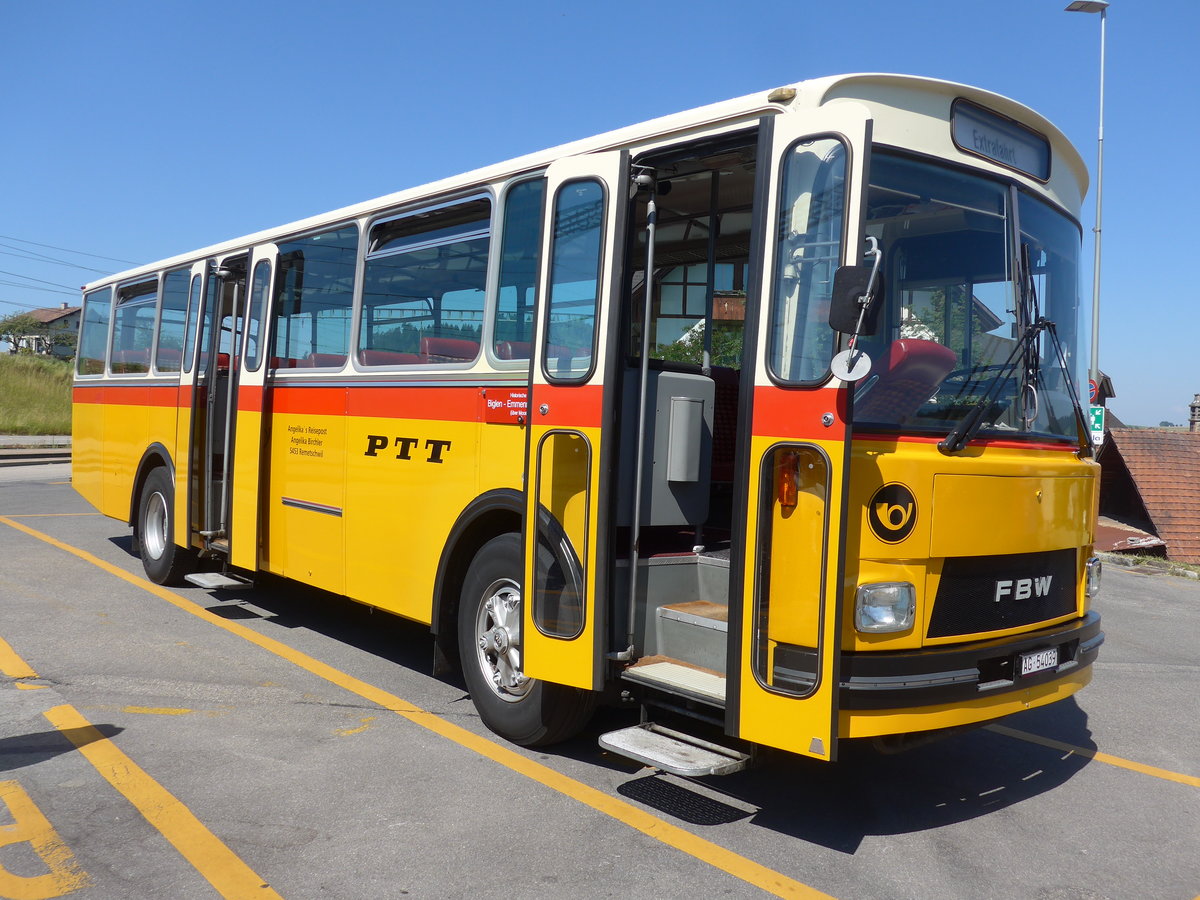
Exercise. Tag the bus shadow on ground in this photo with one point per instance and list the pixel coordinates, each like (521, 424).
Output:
(837, 805)
(23, 750)
(868, 793)
(289, 604)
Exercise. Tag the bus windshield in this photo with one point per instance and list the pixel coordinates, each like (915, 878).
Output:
(963, 286)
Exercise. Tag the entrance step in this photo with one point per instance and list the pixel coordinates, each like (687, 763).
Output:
(673, 751)
(677, 677)
(693, 632)
(217, 581)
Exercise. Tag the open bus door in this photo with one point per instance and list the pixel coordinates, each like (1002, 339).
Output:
(250, 418)
(184, 420)
(214, 392)
(568, 453)
(786, 634)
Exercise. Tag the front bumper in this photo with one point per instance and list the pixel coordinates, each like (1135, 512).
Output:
(916, 678)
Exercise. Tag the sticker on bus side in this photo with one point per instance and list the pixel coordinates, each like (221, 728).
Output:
(506, 406)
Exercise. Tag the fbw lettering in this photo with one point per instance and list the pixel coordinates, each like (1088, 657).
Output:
(1023, 588)
(432, 449)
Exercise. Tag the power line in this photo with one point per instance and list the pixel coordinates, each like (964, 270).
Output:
(21, 253)
(34, 287)
(38, 280)
(127, 262)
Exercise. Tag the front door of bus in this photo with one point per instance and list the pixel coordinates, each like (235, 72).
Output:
(568, 450)
(214, 401)
(246, 513)
(787, 632)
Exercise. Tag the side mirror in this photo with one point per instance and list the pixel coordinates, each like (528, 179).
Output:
(850, 283)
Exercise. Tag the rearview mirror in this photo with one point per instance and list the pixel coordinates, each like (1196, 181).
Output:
(850, 284)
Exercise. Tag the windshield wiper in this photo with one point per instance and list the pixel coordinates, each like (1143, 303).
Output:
(964, 432)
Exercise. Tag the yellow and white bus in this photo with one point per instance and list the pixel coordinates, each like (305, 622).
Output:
(762, 415)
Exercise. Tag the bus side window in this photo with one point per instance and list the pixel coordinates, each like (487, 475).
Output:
(808, 250)
(574, 289)
(424, 286)
(314, 293)
(93, 335)
(254, 313)
(133, 328)
(168, 354)
(520, 253)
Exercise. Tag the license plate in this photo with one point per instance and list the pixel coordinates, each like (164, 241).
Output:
(1039, 661)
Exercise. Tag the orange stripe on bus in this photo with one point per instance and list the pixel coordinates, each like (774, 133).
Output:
(575, 406)
(149, 394)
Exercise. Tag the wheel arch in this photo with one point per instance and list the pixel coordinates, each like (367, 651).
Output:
(156, 455)
(497, 512)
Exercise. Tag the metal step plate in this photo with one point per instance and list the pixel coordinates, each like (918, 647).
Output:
(215, 581)
(673, 751)
(678, 679)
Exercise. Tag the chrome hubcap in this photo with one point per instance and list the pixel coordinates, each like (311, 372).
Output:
(154, 529)
(498, 626)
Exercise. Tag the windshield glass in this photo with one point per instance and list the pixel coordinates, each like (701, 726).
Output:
(960, 293)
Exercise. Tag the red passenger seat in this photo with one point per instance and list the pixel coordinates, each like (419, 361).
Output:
(324, 361)
(440, 349)
(513, 349)
(908, 377)
(373, 357)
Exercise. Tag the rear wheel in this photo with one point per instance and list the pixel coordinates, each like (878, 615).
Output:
(524, 710)
(164, 562)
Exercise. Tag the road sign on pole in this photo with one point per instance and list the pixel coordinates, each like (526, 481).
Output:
(1097, 425)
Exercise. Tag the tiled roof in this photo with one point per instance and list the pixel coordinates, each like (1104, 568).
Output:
(1165, 468)
(52, 314)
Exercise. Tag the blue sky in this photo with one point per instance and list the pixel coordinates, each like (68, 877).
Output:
(139, 130)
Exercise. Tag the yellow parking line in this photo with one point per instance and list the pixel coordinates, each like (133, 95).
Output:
(672, 835)
(1154, 771)
(52, 515)
(219, 865)
(31, 827)
(12, 665)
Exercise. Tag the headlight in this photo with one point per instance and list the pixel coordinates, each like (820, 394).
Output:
(1092, 582)
(889, 606)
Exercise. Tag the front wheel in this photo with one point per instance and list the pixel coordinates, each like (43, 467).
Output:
(523, 710)
(164, 562)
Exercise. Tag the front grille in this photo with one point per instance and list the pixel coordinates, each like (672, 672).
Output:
(978, 594)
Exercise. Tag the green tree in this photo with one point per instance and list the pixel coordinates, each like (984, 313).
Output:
(47, 335)
(16, 326)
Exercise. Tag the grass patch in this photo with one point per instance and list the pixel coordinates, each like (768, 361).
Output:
(35, 395)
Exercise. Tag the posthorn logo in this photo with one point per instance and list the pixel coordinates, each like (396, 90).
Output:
(892, 513)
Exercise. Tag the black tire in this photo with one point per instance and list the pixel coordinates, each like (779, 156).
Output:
(526, 711)
(164, 562)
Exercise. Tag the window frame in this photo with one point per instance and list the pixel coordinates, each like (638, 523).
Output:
(88, 305)
(274, 304)
(367, 255)
(186, 271)
(772, 233)
(500, 231)
(545, 290)
(137, 300)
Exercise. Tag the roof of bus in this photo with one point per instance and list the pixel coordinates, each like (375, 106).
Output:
(871, 88)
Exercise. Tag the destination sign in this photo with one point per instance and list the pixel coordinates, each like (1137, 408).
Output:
(1001, 140)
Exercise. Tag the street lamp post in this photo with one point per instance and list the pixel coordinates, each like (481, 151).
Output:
(1096, 6)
